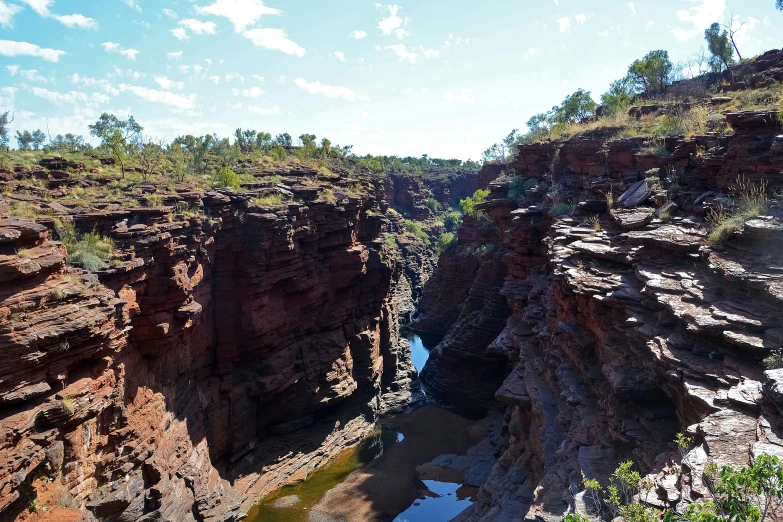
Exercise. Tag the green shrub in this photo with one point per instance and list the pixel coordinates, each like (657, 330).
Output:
(469, 204)
(452, 221)
(414, 227)
(561, 209)
(447, 241)
(90, 252)
(434, 205)
(390, 240)
(227, 178)
(519, 186)
(573, 517)
(24, 209)
(327, 195)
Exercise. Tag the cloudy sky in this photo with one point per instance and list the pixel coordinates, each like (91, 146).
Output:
(439, 77)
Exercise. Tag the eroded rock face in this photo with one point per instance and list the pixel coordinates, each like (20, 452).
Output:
(624, 329)
(218, 358)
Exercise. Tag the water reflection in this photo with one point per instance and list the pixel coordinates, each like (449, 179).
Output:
(421, 345)
(446, 501)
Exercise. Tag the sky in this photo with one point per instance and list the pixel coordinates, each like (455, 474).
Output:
(445, 78)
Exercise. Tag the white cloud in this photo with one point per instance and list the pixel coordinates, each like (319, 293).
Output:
(339, 55)
(155, 96)
(174, 56)
(327, 90)
(393, 24)
(557, 3)
(106, 85)
(632, 8)
(564, 23)
(171, 14)
(530, 52)
(167, 84)
(275, 39)
(258, 78)
(7, 12)
(581, 18)
(264, 111)
(197, 26)
(699, 16)
(68, 98)
(72, 20)
(403, 53)
(215, 79)
(358, 34)
(230, 77)
(649, 25)
(253, 92)
(112, 47)
(430, 54)
(241, 13)
(31, 75)
(463, 96)
(180, 33)
(12, 48)
(132, 4)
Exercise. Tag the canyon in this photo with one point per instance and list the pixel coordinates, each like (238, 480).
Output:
(233, 347)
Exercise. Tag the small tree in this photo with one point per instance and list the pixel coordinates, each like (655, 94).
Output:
(619, 97)
(5, 121)
(38, 139)
(284, 140)
(24, 139)
(117, 136)
(779, 4)
(151, 156)
(719, 46)
(651, 73)
(308, 141)
(575, 108)
(180, 160)
(326, 146)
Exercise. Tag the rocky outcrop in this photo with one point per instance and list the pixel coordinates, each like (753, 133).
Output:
(228, 349)
(626, 326)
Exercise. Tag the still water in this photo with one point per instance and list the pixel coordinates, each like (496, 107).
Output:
(421, 345)
(294, 503)
(446, 502)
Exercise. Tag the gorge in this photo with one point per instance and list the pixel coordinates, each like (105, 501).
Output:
(239, 340)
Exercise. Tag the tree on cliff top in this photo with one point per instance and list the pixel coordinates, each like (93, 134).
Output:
(651, 73)
(116, 136)
(575, 108)
(779, 4)
(720, 47)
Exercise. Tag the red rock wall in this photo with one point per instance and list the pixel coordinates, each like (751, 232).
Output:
(220, 358)
(621, 337)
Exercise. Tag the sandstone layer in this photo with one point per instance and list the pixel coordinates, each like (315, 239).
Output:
(623, 325)
(229, 349)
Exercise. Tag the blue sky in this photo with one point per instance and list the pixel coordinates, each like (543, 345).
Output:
(440, 77)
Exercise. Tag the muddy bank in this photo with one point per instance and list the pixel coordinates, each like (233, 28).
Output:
(382, 488)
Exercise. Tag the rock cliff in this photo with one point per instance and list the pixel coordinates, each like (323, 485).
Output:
(229, 348)
(623, 324)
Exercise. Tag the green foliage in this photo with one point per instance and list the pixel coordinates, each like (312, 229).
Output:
(618, 98)
(5, 120)
(90, 252)
(500, 152)
(519, 186)
(117, 136)
(452, 221)
(574, 517)
(561, 209)
(227, 178)
(651, 74)
(779, 4)
(774, 361)
(575, 108)
(328, 195)
(414, 227)
(390, 240)
(284, 140)
(469, 204)
(719, 46)
(447, 241)
(434, 205)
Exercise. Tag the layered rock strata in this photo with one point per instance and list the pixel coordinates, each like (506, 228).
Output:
(228, 349)
(626, 324)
